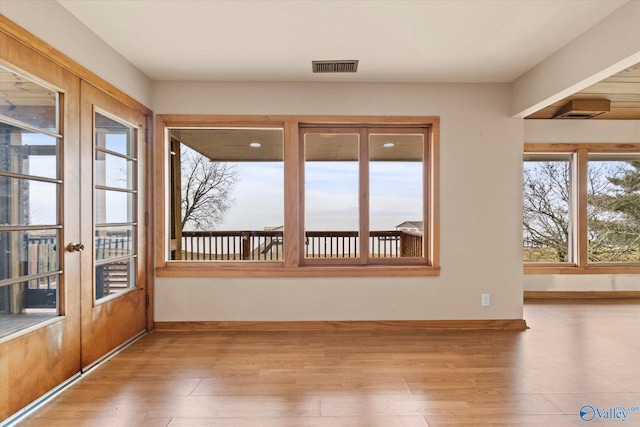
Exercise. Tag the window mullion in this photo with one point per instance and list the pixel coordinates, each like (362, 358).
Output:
(364, 196)
(293, 234)
(581, 194)
(427, 189)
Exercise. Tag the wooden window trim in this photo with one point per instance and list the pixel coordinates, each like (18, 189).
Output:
(581, 263)
(293, 265)
(364, 133)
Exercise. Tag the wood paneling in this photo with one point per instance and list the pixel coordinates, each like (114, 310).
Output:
(231, 145)
(622, 89)
(576, 353)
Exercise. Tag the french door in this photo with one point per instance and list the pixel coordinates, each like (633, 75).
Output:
(39, 199)
(112, 225)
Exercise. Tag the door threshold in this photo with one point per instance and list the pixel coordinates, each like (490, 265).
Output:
(113, 352)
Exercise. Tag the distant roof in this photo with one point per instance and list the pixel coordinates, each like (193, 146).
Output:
(413, 224)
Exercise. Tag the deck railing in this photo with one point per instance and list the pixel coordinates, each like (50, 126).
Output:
(112, 244)
(331, 244)
(267, 245)
(42, 257)
(232, 245)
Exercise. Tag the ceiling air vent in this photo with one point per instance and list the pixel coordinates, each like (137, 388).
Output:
(583, 109)
(350, 66)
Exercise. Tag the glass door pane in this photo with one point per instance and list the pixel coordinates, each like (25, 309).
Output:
(115, 201)
(30, 203)
(28, 102)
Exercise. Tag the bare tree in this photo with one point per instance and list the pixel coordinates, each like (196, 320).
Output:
(613, 216)
(206, 190)
(547, 195)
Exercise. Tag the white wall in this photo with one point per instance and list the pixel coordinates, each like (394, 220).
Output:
(574, 131)
(52, 23)
(480, 192)
(481, 151)
(481, 170)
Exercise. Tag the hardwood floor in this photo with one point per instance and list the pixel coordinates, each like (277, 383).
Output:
(575, 354)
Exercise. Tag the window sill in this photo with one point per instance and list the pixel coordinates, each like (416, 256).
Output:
(202, 269)
(574, 269)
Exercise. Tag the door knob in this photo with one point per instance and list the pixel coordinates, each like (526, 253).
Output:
(75, 247)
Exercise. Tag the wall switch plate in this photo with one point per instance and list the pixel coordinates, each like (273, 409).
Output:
(486, 300)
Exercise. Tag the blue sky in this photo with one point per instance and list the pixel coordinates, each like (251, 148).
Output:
(331, 196)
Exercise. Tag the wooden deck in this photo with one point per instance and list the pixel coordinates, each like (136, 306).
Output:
(575, 354)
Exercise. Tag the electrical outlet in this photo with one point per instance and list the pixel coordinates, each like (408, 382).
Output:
(486, 300)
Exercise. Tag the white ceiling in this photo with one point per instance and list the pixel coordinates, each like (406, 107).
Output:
(395, 41)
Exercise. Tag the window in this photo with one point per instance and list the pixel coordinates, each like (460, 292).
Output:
(548, 220)
(364, 182)
(293, 196)
(581, 208)
(228, 194)
(30, 202)
(613, 208)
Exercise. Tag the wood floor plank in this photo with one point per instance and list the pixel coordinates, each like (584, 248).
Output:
(100, 422)
(368, 421)
(500, 420)
(576, 353)
(363, 405)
